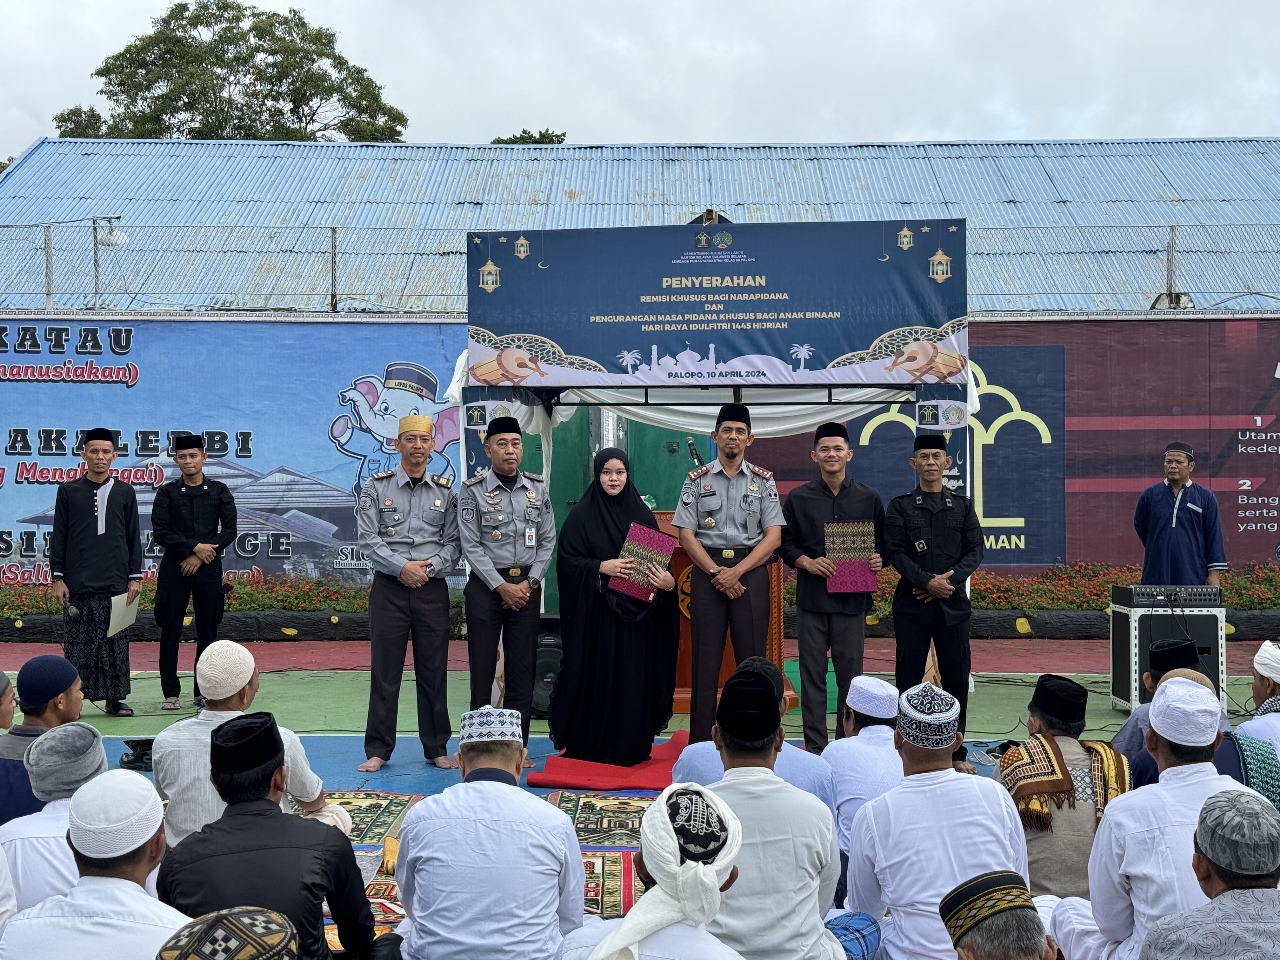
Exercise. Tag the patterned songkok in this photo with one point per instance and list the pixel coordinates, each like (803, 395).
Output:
(1241, 832)
(982, 897)
(489, 724)
(700, 833)
(241, 933)
(928, 717)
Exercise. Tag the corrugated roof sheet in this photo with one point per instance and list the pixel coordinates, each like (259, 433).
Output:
(1056, 225)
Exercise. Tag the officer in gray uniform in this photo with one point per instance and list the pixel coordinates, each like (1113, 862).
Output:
(508, 537)
(408, 526)
(730, 524)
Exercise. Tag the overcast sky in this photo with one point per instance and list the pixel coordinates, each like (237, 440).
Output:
(698, 71)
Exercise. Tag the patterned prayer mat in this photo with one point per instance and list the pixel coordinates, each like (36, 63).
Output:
(375, 817)
(375, 814)
(603, 819)
(612, 885)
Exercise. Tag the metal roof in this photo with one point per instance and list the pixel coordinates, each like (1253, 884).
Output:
(1053, 226)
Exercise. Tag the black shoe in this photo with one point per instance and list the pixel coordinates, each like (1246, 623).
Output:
(139, 755)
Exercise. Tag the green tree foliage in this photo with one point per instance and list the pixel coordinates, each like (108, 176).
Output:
(223, 70)
(527, 136)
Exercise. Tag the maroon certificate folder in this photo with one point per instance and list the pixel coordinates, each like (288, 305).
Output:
(644, 545)
(849, 547)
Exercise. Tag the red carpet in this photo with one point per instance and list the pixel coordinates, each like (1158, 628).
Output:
(653, 774)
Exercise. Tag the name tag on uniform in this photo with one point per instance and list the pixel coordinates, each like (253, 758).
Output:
(530, 537)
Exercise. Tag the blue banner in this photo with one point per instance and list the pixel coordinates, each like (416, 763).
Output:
(295, 415)
(726, 304)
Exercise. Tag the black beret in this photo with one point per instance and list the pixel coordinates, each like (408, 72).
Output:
(748, 708)
(1060, 698)
(99, 433)
(830, 430)
(930, 441)
(245, 743)
(734, 413)
(500, 425)
(189, 441)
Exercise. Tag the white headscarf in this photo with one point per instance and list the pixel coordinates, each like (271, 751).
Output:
(1267, 660)
(683, 891)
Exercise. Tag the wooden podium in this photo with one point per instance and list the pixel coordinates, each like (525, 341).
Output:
(681, 568)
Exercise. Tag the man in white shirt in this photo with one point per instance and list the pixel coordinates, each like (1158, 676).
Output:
(115, 831)
(228, 680)
(1140, 867)
(486, 870)
(912, 844)
(1265, 724)
(700, 762)
(864, 761)
(8, 900)
(59, 762)
(789, 861)
(688, 841)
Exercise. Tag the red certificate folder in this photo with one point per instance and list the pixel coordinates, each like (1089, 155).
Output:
(849, 547)
(644, 545)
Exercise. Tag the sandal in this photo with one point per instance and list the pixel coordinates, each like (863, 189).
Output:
(171, 703)
(118, 708)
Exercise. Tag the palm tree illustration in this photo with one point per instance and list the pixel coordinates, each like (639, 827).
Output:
(801, 352)
(629, 358)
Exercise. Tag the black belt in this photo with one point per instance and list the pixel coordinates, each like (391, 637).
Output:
(391, 579)
(511, 573)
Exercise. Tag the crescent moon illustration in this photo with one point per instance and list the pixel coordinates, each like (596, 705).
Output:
(543, 266)
(883, 259)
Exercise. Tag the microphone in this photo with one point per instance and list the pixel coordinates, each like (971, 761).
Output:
(693, 451)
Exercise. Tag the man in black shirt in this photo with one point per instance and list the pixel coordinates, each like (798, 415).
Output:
(194, 519)
(257, 854)
(826, 620)
(933, 538)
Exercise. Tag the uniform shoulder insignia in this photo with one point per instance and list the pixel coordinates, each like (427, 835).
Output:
(472, 481)
(382, 475)
(442, 481)
(696, 472)
(537, 477)
(761, 472)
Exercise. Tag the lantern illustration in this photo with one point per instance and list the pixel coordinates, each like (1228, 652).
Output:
(939, 266)
(905, 238)
(522, 247)
(489, 277)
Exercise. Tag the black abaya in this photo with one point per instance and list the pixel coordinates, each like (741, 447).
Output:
(618, 673)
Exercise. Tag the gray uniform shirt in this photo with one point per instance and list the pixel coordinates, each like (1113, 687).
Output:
(398, 522)
(725, 511)
(497, 526)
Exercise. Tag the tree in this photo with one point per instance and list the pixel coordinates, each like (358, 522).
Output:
(629, 359)
(801, 352)
(527, 136)
(223, 70)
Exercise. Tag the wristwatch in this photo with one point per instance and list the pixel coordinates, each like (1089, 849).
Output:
(714, 571)
(534, 583)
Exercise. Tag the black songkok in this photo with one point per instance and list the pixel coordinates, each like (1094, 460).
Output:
(930, 441)
(983, 897)
(1060, 698)
(830, 430)
(1177, 446)
(500, 425)
(99, 433)
(700, 833)
(245, 743)
(734, 413)
(748, 709)
(190, 441)
(1166, 655)
(767, 669)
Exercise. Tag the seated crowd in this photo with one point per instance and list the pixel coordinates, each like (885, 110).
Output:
(880, 847)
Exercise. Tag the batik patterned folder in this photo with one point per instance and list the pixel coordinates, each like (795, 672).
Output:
(644, 545)
(849, 547)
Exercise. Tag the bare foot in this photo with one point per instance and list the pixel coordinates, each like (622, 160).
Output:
(528, 764)
(444, 763)
(372, 765)
(964, 766)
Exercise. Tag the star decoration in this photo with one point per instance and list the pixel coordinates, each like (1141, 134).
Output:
(475, 239)
(502, 239)
(952, 229)
(924, 229)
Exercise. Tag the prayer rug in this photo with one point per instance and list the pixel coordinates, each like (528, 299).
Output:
(375, 814)
(652, 774)
(376, 817)
(602, 819)
(612, 885)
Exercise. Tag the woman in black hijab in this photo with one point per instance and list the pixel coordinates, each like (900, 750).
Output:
(618, 674)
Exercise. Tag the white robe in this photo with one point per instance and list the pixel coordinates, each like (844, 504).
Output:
(912, 845)
(680, 941)
(1140, 867)
(864, 767)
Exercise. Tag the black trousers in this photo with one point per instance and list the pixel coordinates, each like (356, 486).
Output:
(397, 615)
(207, 598)
(844, 635)
(711, 613)
(487, 623)
(913, 628)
